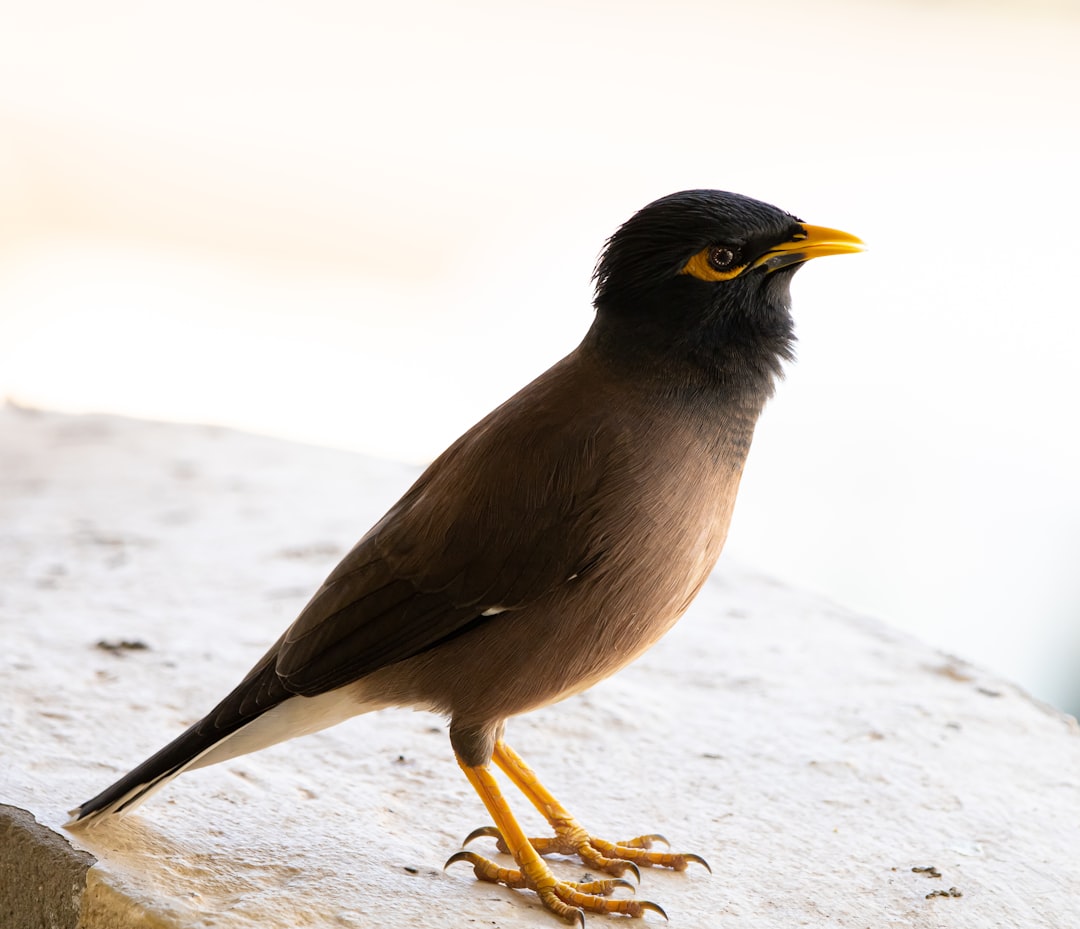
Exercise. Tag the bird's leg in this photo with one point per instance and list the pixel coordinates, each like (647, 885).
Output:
(566, 899)
(571, 838)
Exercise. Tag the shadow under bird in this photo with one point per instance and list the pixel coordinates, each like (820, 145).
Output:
(554, 542)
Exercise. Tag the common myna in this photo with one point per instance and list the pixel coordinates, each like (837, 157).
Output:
(555, 541)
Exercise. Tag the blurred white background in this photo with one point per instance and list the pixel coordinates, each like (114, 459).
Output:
(364, 225)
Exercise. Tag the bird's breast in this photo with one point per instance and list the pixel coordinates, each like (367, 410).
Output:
(672, 535)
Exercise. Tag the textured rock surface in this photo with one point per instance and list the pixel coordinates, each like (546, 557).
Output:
(42, 878)
(812, 756)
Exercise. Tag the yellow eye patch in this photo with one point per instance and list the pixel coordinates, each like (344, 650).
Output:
(701, 267)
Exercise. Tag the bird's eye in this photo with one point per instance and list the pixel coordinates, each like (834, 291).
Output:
(721, 257)
(715, 263)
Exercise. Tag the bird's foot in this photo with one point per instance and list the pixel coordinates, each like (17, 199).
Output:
(566, 899)
(571, 838)
(615, 858)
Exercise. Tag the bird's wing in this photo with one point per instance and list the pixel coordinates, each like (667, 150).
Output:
(468, 541)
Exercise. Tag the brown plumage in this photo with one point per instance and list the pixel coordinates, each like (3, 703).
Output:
(595, 551)
(557, 539)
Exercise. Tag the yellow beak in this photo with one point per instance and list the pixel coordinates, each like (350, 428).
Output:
(814, 242)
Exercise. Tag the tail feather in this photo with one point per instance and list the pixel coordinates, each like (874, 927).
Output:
(259, 692)
(235, 727)
(150, 776)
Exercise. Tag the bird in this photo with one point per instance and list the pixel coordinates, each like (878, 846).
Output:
(550, 545)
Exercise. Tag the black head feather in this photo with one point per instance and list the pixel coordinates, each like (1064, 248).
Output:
(734, 333)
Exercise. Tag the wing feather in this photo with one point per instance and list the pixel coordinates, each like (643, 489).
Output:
(466, 539)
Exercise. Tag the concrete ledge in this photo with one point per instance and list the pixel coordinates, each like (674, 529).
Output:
(42, 877)
(812, 756)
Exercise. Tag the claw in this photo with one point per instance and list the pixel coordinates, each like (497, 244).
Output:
(655, 907)
(459, 856)
(697, 859)
(489, 832)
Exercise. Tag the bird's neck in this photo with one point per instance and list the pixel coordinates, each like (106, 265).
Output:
(722, 364)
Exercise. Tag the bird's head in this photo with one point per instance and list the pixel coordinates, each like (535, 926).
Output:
(699, 280)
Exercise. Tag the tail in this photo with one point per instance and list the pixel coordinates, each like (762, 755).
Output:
(213, 738)
(260, 712)
(149, 777)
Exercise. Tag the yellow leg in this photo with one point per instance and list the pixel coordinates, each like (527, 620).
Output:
(566, 899)
(572, 839)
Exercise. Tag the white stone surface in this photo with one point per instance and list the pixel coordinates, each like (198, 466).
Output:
(812, 756)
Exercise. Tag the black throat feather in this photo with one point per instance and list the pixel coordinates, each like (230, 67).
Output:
(692, 339)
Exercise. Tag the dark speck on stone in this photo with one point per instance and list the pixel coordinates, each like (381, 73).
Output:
(122, 645)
